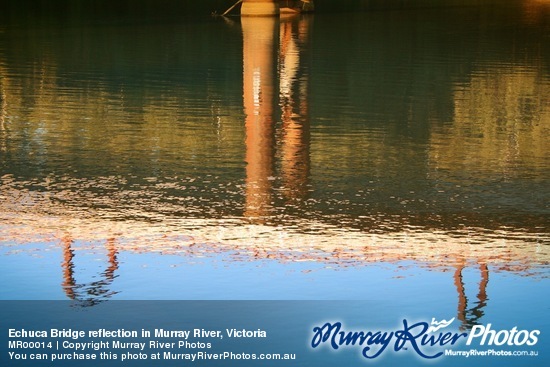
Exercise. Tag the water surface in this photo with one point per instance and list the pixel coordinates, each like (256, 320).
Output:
(390, 154)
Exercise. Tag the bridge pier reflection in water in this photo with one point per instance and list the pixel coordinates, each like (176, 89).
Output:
(271, 66)
(293, 94)
(259, 70)
(470, 317)
(88, 293)
(3, 104)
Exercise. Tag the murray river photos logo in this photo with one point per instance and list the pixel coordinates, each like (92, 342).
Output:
(427, 340)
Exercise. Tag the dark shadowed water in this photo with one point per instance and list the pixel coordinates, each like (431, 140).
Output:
(395, 154)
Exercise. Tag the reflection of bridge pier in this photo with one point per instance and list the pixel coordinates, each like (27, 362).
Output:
(3, 104)
(88, 294)
(259, 71)
(293, 94)
(261, 46)
(470, 317)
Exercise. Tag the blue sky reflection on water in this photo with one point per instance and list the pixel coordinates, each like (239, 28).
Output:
(166, 277)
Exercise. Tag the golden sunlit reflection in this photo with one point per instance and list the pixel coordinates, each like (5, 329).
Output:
(536, 11)
(3, 129)
(501, 122)
(260, 80)
(259, 92)
(295, 144)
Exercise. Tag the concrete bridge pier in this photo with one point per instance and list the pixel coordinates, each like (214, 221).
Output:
(260, 8)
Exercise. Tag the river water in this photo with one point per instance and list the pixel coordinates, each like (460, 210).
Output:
(395, 155)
